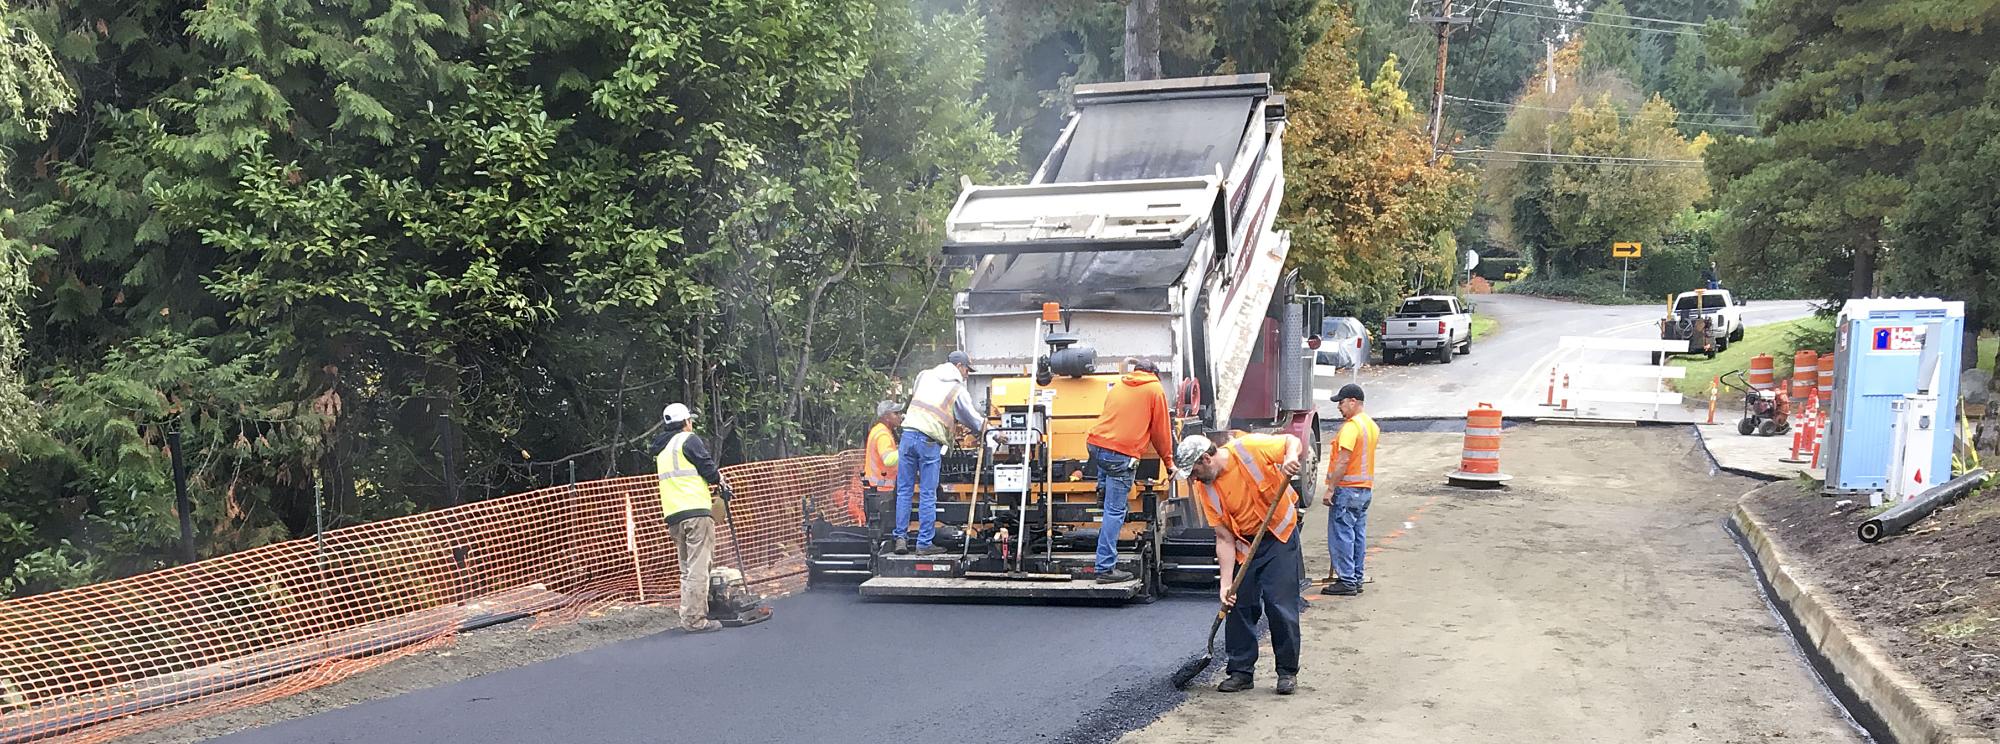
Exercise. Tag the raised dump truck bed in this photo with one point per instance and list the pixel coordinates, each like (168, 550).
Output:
(1150, 226)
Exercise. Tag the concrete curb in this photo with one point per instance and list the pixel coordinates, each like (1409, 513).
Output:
(1893, 706)
(1716, 464)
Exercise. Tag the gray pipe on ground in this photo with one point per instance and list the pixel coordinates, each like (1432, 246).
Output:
(1901, 516)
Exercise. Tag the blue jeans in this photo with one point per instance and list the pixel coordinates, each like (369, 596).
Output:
(918, 470)
(1347, 531)
(1114, 482)
(1270, 592)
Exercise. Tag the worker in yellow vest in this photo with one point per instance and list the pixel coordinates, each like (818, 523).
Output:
(1238, 486)
(1353, 476)
(879, 462)
(940, 400)
(687, 470)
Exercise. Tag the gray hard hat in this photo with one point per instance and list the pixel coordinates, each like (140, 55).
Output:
(887, 407)
(1192, 448)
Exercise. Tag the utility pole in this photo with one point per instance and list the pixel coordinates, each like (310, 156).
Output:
(1446, 21)
(1549, 47)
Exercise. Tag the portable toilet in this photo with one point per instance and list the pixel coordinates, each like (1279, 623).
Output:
(1878, 345)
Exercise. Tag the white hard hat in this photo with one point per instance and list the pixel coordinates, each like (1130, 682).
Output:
(676, 413)
(1192, 448)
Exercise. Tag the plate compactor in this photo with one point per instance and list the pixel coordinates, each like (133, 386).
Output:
(730, 600)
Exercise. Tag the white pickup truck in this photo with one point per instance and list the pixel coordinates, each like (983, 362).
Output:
(1436, 325)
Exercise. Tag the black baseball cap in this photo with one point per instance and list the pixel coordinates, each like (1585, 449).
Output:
(959, 357)
(1347, 391)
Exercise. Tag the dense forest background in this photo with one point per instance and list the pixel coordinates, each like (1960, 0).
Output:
(381, 256)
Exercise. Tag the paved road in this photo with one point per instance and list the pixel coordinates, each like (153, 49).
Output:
(1510, 368)
(832, 668)
(828, 668)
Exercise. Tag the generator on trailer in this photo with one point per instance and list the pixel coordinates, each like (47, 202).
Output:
(1145, 234)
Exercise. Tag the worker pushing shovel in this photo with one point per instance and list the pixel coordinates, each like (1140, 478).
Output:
(1244, 488)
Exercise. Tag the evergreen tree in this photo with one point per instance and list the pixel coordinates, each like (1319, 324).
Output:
(1942, 239)
(1611, 47)
(1854, 92)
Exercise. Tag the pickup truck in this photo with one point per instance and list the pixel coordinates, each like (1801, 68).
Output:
(1710, 319)
(1435, 325)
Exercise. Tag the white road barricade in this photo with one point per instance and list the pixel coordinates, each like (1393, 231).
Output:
(1591, 382)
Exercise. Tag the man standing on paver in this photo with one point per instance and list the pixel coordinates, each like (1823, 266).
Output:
(1134, 419)
(1237, 485)
(1353, 489)
(940, 400)
(686, 471)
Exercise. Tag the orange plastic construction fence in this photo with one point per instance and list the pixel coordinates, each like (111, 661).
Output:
(81, 665)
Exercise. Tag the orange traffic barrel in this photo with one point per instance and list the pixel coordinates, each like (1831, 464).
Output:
(1826, 376)
(1805, 368)
(1761, 368)
(1479, 464)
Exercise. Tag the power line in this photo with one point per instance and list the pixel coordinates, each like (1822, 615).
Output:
(1580, 156)
(1534, 161)
(1595, 13)
(1597, 23)
(1680, 113)
(1678, 117)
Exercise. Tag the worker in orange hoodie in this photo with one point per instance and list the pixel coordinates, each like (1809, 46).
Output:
(1134, 420)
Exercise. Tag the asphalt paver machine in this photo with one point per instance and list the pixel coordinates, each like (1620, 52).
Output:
(1146, 234)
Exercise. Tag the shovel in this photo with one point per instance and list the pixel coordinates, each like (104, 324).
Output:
(1189, 671)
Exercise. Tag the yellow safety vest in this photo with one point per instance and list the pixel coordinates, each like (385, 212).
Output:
(681, 486)
(931, 405)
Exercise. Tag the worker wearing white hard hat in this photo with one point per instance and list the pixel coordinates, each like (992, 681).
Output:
(687, 470)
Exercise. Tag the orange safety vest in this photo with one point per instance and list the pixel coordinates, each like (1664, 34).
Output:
(879, 468)
(1241, 495)
(1360, 471)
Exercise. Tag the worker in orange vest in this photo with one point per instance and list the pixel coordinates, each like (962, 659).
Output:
(1353, 476)
(1236, 485)
(1133, 421)
(878, 468)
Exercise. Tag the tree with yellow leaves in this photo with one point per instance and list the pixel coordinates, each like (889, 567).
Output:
(1371, 211)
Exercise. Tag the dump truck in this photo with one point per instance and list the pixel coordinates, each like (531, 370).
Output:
(1145, 234)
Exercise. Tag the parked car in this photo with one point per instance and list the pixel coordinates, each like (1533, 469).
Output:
(1343, 343)
(1435, 325)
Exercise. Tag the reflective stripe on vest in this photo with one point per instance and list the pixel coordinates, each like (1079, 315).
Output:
(875, 465)
(937, 409)
(682, 488)
(1360, 460)
(1242, 545)
(1243, 456)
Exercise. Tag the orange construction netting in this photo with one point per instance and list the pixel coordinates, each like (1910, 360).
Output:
(82, 665)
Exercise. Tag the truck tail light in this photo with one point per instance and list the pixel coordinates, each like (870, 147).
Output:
(1440, 327)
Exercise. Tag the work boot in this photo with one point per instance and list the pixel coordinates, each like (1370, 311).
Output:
(902, 546)
(1114, 576)
(1287, 684)
(1341, 589)
(1237, 682)
(706, 626)
(930, 550)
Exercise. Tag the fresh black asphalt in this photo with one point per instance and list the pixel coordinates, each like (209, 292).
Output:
(828, 668)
